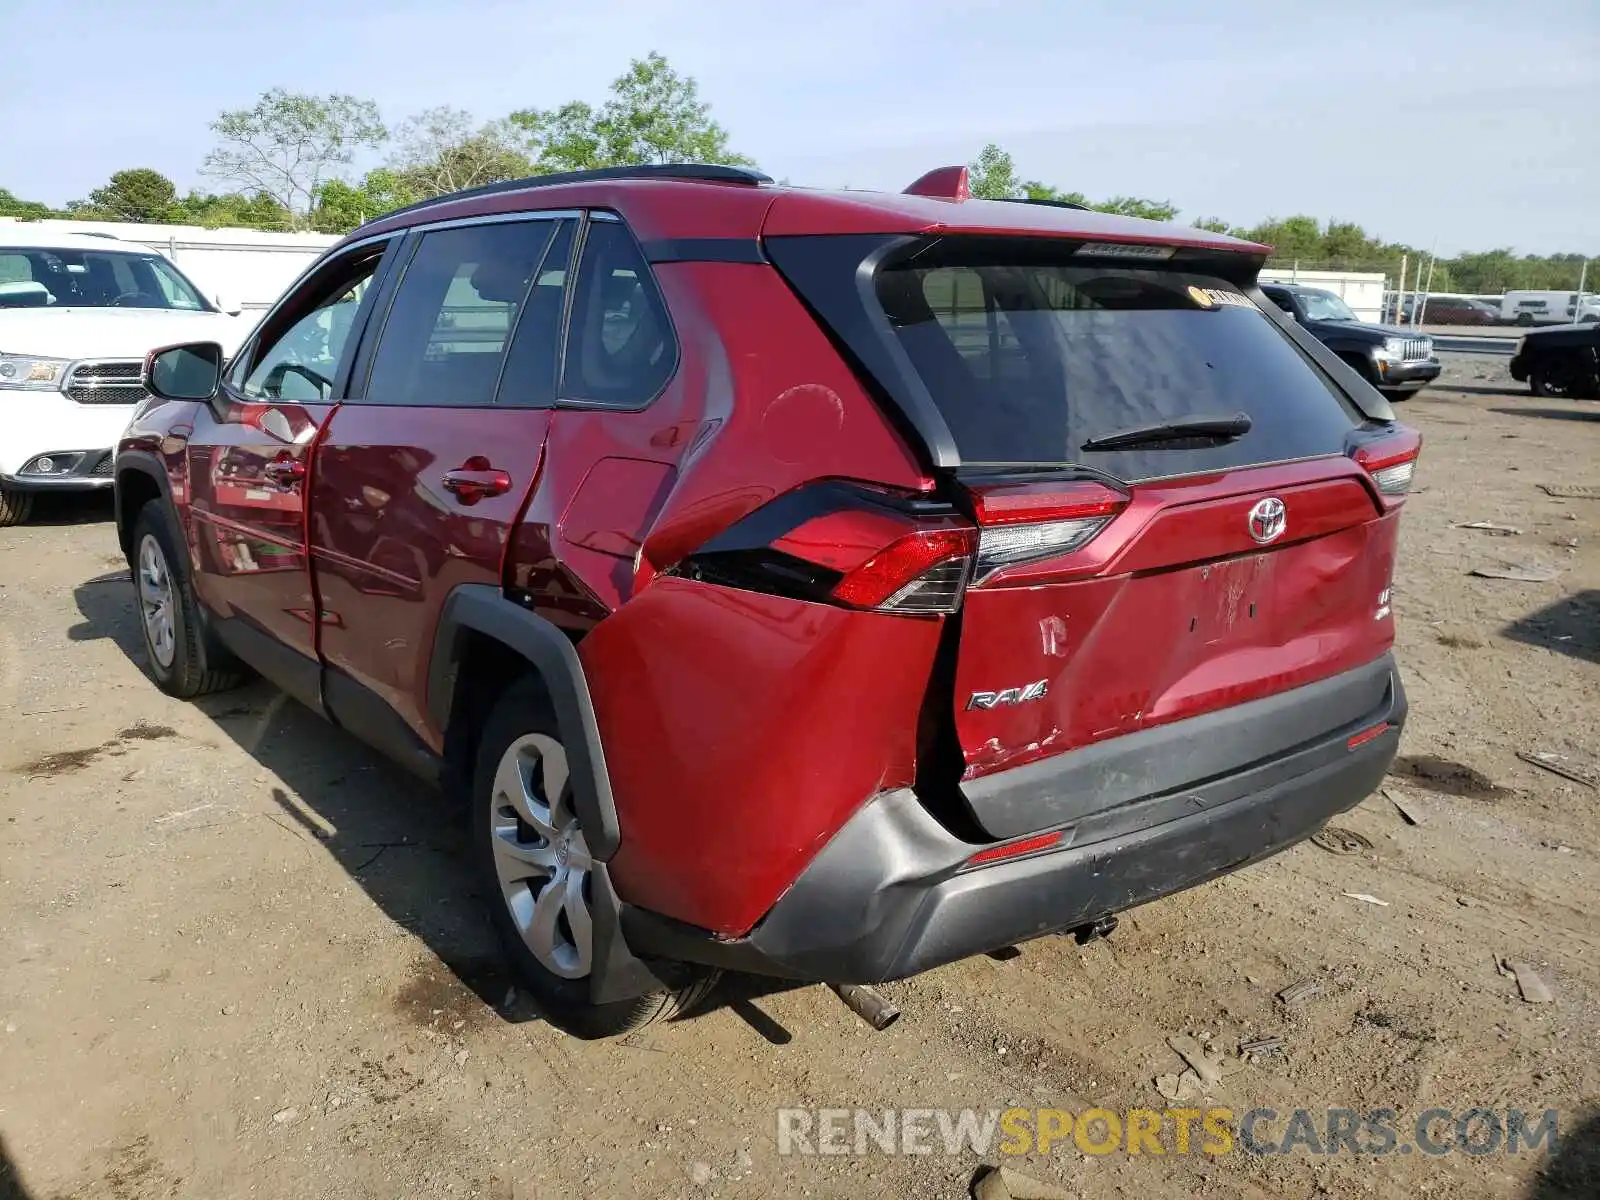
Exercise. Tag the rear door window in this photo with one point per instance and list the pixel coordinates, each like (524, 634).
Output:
(1029, 361)
(444, 341)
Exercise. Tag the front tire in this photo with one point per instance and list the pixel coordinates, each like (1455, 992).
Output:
(15, 507)
(183, 660)
(535, 866)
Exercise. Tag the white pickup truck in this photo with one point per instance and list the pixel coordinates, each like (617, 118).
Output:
(78, 314)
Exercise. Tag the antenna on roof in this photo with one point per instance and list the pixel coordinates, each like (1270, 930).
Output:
(943, 183)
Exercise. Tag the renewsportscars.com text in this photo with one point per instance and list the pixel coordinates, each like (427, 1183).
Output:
(1147, 1131)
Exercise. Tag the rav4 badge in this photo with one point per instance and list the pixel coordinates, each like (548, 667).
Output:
(1015, 695)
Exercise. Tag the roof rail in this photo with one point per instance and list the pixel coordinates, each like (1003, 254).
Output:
(706, 172)
(1048, 203)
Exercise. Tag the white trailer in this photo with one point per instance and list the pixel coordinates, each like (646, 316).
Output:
(1549, 308)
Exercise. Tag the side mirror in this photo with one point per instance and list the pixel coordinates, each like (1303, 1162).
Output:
(189, 372)
(227, 304)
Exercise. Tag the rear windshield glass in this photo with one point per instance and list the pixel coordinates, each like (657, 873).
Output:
(1028, 362)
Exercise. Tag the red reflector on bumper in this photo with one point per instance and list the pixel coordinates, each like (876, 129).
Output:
(1366, 735)
(1041, 841)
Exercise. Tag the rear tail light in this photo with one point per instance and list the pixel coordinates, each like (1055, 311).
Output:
(1391, 461)
(1020, 523)
(847, 545)
(924, 572)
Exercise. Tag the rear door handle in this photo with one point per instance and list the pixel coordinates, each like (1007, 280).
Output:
(285, 472)
(475, 480)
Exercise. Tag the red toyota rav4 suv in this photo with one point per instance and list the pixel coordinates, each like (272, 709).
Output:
(822, 585)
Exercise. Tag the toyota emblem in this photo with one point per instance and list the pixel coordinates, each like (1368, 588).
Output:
(1267, 520)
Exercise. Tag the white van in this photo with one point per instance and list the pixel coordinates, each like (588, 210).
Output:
(1549, 308)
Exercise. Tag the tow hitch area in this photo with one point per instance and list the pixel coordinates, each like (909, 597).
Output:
(1094, 930)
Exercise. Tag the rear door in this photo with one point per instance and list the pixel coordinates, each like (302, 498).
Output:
(1130, 575)
(422, 473)
(247, 472)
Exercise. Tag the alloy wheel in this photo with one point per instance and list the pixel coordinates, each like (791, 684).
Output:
(540, 856)
(156, 601)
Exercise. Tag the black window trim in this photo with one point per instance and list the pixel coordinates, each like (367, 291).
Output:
(578, 403)
(561, 321)
(245, 360)
(410, 240)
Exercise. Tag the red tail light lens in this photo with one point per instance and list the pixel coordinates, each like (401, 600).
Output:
(925, 571)
(1022, 523)
(845, 544)
(1391, 461)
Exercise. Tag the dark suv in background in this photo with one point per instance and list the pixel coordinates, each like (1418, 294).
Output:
(823, 585)
(1395, 360)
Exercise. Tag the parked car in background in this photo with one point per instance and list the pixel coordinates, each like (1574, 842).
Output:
(1549, 308)
(78, 313)
(1458, 310)
(1395, 360)
(1563, 361)
(656, 562)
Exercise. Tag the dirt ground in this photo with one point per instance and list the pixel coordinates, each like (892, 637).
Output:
(242, 956)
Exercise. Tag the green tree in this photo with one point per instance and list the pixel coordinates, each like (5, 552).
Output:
(1290, 238)
(139, 194)
(993, 175)
(1135, 206)
(290, 144)
(26, 210)
(445, 150)
(654, 115)
(233, 210)
(342, 206)
(1214, 225)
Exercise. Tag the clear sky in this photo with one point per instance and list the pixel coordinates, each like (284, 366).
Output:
(1470, 123)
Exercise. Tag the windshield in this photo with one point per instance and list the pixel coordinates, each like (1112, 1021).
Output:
(1325, 306)
(41, 277)
(1033, 362)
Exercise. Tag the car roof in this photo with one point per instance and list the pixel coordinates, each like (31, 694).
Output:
(732, 203)
(26, 234)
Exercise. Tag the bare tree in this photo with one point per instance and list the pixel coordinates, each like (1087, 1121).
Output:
(444, 150)
(290, 144)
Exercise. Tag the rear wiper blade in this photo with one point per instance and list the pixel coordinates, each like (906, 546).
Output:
(1219, 428)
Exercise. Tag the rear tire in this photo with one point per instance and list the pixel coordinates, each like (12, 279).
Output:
(183, 659)
(15, 507)
(1550, 389)
(534, 866)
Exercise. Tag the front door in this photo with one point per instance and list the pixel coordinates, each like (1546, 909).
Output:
(248, 470)
(421, 474)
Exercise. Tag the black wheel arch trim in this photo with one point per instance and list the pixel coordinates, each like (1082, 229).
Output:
(140, 462)
(484, 609)
(618, 974)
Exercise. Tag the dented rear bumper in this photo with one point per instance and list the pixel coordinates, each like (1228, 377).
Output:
(893, 893)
